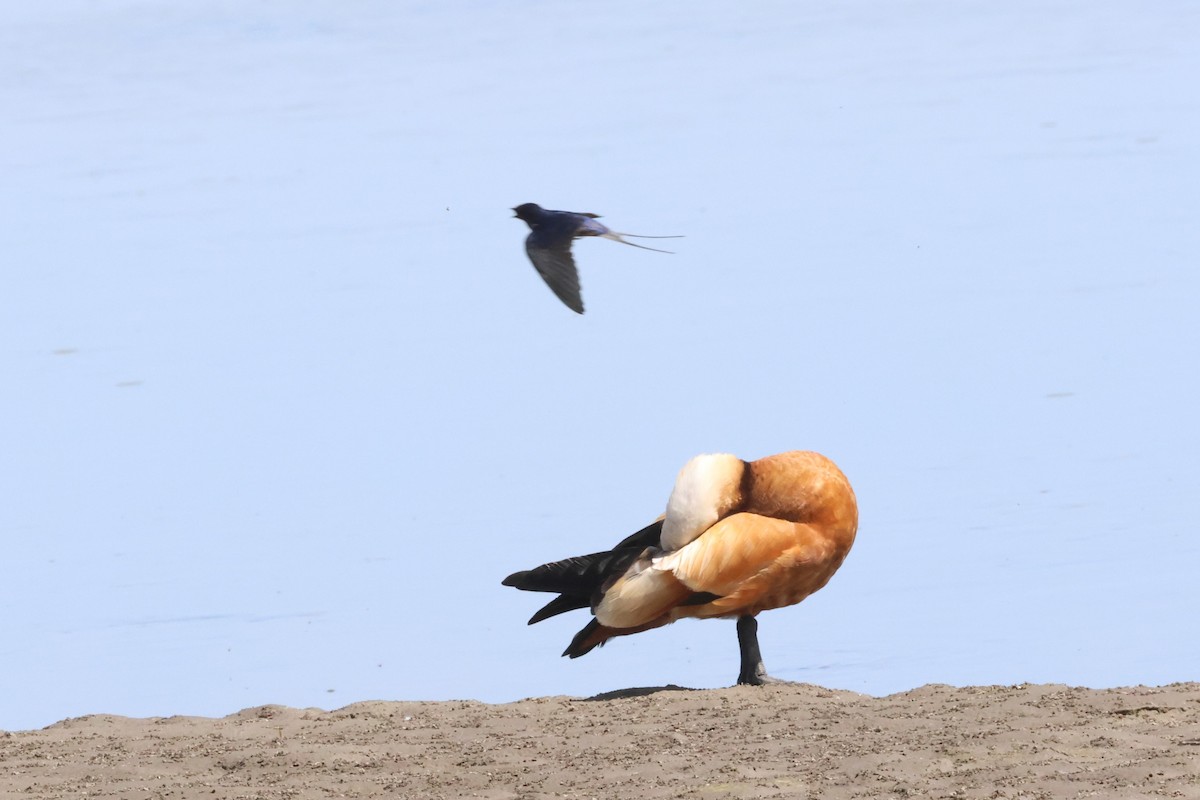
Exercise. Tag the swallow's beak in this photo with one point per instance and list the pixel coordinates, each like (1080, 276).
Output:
(514, 211)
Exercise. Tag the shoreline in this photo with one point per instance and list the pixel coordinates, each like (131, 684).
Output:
(740, 742)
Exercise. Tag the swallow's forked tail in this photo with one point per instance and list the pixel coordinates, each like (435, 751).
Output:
(620, 237)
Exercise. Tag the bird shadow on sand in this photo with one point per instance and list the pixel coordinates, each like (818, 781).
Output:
(637, 691)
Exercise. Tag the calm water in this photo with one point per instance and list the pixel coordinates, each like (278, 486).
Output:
(284, 399)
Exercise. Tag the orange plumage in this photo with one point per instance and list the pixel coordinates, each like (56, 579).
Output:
(738, 538)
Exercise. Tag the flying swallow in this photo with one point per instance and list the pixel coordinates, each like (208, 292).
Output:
(549, 246)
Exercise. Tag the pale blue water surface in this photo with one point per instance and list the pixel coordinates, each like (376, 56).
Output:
(284, 400)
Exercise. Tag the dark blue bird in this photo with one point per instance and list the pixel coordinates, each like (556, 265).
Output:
(549, 247)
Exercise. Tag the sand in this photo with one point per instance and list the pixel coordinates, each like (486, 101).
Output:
(1030, 741)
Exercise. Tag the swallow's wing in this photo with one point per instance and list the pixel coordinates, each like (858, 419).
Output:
(556, 265)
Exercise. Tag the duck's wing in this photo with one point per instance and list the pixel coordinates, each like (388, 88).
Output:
(750, 563)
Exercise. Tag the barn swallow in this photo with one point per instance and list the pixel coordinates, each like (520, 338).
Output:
(549, 246)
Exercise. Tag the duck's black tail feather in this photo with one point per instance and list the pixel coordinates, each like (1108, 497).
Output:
(649, 536)
(586, 640)
(559, 605)
(580, 581)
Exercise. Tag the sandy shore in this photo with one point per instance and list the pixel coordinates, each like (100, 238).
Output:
(788, 741)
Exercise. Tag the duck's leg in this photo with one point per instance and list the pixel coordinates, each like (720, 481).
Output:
(753, 672)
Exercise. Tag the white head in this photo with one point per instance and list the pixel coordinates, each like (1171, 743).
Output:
(706, 490)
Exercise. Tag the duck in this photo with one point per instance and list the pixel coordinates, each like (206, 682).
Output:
(737, 538)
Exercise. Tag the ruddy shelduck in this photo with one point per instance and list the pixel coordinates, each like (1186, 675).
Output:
(737, 538)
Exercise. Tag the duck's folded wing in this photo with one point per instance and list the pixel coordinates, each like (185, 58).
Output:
(749, 561)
